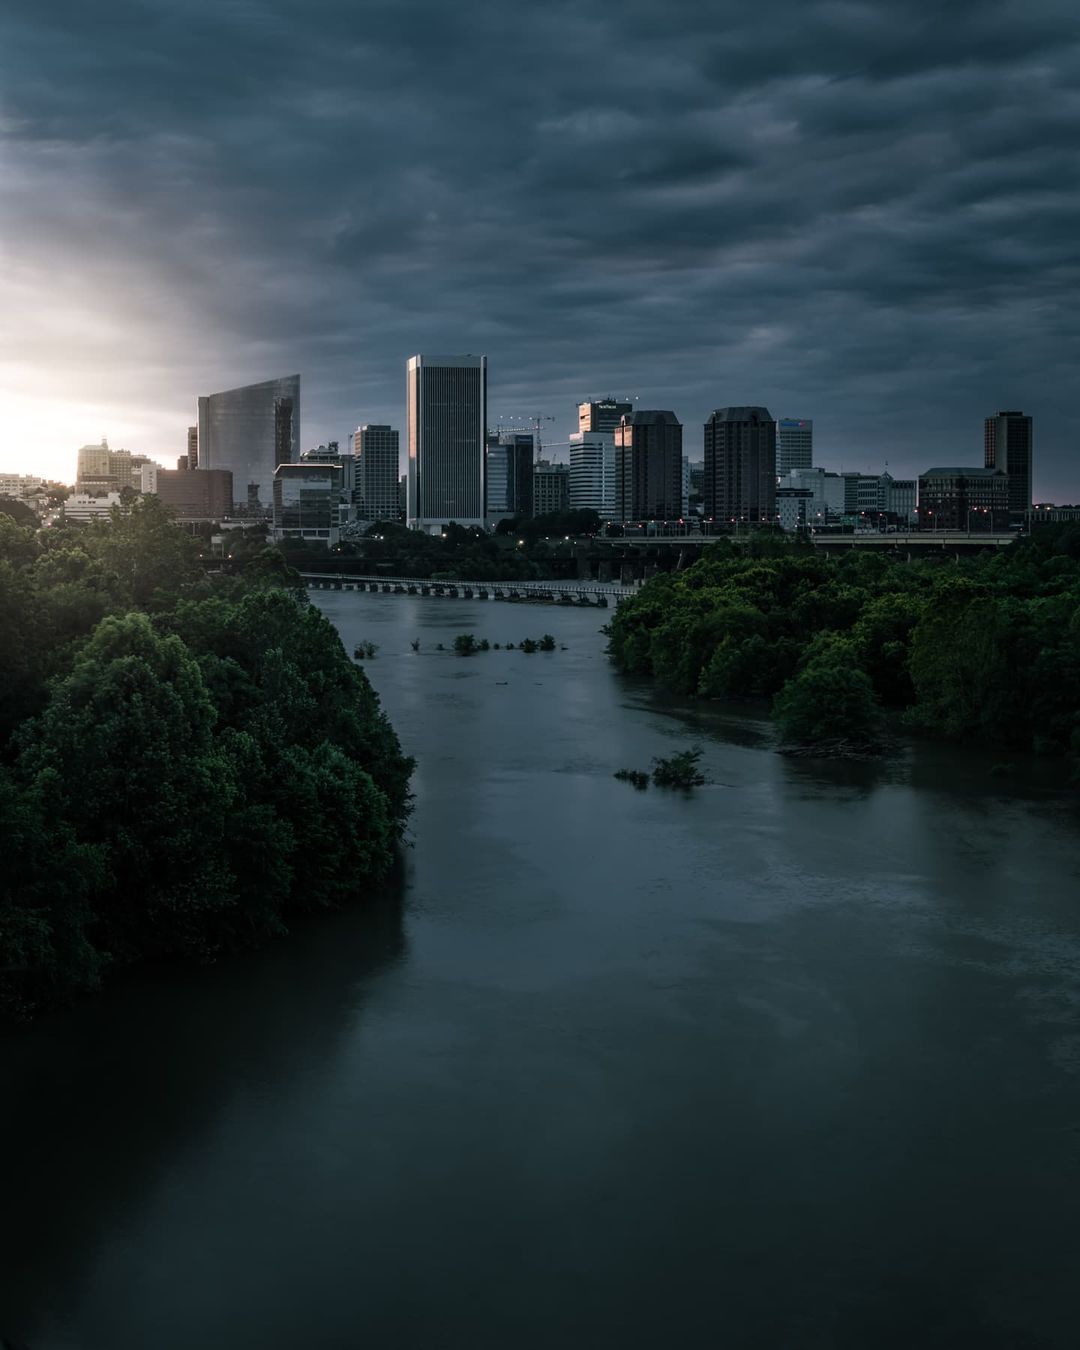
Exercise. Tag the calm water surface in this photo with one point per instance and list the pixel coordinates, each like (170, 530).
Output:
(794, 1062)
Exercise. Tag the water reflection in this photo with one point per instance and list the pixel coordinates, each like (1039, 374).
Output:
(103, 1102)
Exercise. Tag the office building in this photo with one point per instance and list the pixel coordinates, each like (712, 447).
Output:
(307, 501)
(250, 431)
(508, 476)
(740, 465)
(964, 499)
(346, 461)
(93, 466)
(193, 447)
(1008, 446)
(875, 499)
(446, 434)
(20, 485)
(550, 488)
(87, 506)
(794, 444)
(648, 466)
(592, 473)
(810, 497)
(377, 472)
(602, 414)
(207, 495)
(100, 469)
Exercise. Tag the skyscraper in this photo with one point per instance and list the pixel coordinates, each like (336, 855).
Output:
(446, 431)
(794, 444)
(250, 431)
(602, 414)
(1008, 443)
(377, 471)
(592, 472)
(508, 475)
(193, 447)
(740, 465)
(94, 467)
(648, 466)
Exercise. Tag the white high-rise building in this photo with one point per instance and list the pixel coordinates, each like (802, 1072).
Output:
(446, 431)
(794, 444)
(592, 472)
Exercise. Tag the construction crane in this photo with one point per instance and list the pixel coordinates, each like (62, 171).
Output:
(534, 423)
(537, 423)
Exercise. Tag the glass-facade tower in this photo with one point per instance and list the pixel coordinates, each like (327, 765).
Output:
(446, 413)
(794, 444)
(250, 431)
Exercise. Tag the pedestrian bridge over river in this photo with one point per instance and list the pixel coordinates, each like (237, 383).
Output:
(592, 593)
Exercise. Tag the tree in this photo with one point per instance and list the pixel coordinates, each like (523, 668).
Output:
(828, 701)
(19, 512)
(130, 730)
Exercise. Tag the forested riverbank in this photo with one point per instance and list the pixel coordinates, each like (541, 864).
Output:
(985, 649)
(185, 758)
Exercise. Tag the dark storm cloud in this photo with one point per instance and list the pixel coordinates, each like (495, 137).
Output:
(865, 213)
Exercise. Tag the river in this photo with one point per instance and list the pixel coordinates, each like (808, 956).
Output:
(792, 1063)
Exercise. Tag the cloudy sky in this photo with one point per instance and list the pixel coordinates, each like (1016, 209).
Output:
(864, 213)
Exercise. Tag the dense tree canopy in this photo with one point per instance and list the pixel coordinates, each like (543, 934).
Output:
(183, 758)
(987, 647)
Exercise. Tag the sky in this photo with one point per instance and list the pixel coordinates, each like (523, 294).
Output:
(863, 213)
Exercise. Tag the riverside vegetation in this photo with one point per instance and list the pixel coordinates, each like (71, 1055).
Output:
(986, 648)
(185, 760)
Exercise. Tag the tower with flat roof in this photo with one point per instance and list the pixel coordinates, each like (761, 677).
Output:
(740, 465)
(250, 431)
(1008, 442)
(446, 434)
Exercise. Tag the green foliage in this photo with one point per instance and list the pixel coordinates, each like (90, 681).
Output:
(530, 645)
(19, 512)
(635, 777)
(465, 644)
(828, 701)
(547, 643)
(679, 770)
(986, 648)
(188, 757)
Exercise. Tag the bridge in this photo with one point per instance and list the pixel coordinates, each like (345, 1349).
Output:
(920, 541)
(583, 593)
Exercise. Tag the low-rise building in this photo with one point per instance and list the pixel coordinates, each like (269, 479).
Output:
(306, 503)
(20, 485)
(85, 506)
(194, 494)
(964, 499)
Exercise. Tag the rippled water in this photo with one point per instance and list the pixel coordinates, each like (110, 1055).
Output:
(793, 1062)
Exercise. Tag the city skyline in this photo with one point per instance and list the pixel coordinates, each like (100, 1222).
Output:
(845, 214)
